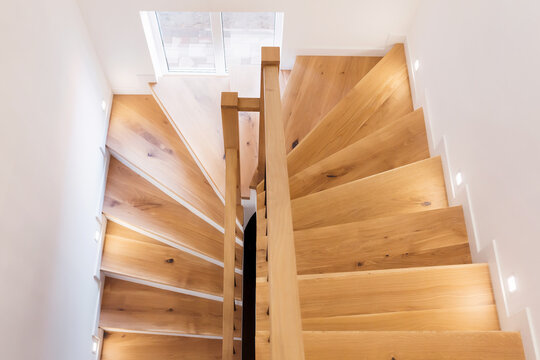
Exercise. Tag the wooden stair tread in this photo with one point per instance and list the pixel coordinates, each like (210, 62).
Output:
(133, 200)
(478, 318)
(386, 291)
(411, 188)
(426, 238)
(131, 254)
(132, 346)
(127, 306)
(141, 133)
(402, 142)
(341, 126)
(316, 85)
(418, 345)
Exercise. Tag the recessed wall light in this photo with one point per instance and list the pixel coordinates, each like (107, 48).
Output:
(416, 65)
(512, 283)
(103, 105)
(95, 344)
(459, 179)
(97, 235)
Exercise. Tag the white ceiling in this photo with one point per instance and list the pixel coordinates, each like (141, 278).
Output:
(339, 27)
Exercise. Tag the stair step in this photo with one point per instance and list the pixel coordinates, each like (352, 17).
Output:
(127, 306)
(427, 238)
(132, 346)
(479, 318)
(386, 291)
(418, 345)
(411, 188)
(316, 85)
(402, 142)
(129, 253)
(382, 94)
(131, 199)
(140, 132)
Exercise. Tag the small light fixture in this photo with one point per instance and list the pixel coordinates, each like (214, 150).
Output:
(512, 284)
(103, 105)
(97, 235)
(459, 179)
(95, 344)
(416, 65)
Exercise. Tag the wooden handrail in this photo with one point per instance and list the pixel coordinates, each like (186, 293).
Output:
(229, 115)
(285, 320)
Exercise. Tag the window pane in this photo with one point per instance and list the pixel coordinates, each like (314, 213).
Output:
(244, 34)
(187, 40)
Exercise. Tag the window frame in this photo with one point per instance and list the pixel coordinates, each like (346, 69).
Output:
(157, 49)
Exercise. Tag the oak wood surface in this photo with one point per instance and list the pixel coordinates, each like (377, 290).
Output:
(400, 143)
(394, 290)
(418, 345)
(132, 346)
(132, 199)
(341, 126)
(427, 238)
(415, 187)
(142, 134)
(315, 86)
(129, 253)
(134, 307)
(286, 329)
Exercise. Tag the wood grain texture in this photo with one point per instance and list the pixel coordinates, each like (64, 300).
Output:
(128, 306)
(286, 322)
(383, 291)
(192, 104)
(475, 318)
(340, 127)
(418, 345)
(316, 85)
(129, 346)
(400, 143)
(132, 199)
(427, 238)
(232, 194)
(129, 253)
(416, 187)
(142, 134)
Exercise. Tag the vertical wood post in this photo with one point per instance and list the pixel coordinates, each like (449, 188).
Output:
(286, 341)
(229, 115)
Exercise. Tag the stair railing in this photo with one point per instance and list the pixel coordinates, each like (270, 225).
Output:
(286, 342)
(285, 320)
(229, 117)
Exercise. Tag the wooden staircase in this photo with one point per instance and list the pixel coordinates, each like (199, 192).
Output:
(363, 258)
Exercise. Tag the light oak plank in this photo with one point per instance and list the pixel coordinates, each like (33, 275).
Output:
(418, 345)
(142, 134)
(476, 318)
(130, 346)
(316, 85)
(427, 238)
(381, 291)
(397, 144)
(340, 127)
(128, 306)
(416, 187)
(129, 253)
(133, 200)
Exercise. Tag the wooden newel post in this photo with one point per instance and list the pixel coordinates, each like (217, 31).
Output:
(229, 115)
(286, 340)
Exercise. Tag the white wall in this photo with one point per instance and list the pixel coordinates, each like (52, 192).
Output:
(479, 81)
(310, 27)
(51, 168)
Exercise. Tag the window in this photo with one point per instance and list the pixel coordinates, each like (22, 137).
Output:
(208, 42)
